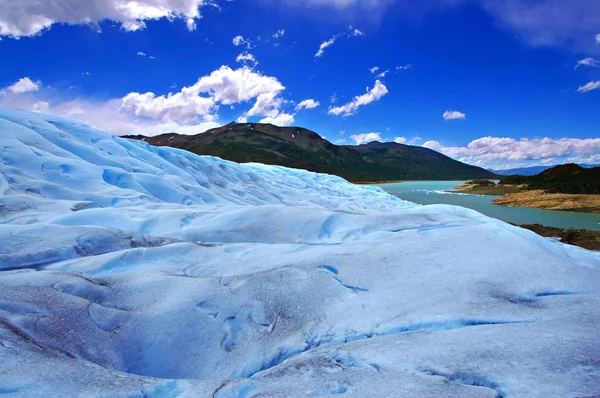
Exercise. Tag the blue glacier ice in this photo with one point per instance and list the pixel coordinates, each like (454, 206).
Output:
(131, 270)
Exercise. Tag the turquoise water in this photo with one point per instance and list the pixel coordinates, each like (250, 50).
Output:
(438, 192)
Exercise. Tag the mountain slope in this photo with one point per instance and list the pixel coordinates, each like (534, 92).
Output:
(301, 148)
(132, 270)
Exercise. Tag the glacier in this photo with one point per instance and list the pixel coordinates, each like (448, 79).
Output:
(131, 270)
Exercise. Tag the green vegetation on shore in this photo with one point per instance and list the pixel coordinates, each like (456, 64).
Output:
(568, 178)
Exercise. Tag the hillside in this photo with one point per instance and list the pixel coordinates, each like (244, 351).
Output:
(568, 178)
(304, 149)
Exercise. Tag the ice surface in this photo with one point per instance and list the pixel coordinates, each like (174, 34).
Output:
(131, 270)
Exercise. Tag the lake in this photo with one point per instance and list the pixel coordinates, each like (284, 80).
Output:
(439, 192)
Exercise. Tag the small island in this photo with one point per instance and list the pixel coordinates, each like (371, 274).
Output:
(567, 187)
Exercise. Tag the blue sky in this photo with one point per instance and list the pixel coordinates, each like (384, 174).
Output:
(518, 80)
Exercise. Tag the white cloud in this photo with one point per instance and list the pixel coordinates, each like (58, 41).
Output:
(349, 33)
(403, 67)
(323, 46)
(182, 107)
(246, 57)
(360, 139)
(374, 69)
(372, 95)
(382, 74)
(24, 85)
(31, 17)
(41, 106)
(406, 141)
(307, 104)
(357, 32)
(340, 141)
(223, 86)
(283, 119)
(192, 110)
(589, 86)
(241, 41)
(108, 116)
(279, 34)
(598, 38)
(141, 54)
(591, 62)
(500, 152)
(454, 115)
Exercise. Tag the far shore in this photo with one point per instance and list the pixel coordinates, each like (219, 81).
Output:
(521, 196)
(376, 182)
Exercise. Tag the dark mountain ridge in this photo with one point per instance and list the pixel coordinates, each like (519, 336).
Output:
(298, 147)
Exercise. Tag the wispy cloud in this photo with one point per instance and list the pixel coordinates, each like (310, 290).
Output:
(307, 104)
(351, 32)
(593, 85)
(377, 92)
(591, 62)
(246, 58)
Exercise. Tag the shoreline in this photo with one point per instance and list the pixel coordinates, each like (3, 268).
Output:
(584, 238)
(523, 197)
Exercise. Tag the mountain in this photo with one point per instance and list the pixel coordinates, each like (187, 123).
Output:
(128, 270)
(300, 148)
(531, 171)
(567, 178)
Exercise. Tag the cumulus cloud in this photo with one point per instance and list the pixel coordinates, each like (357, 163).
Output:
(246, 57)
(200, 101)
(279, 34)
(30, 17)
(591, 62)
(382, 74)
(593, 85)
(182, 107)
(498, 151)
(372, 95)
(283, 119)
(307, 104)
(24, 85)
(374, 69)
(406, 141)
(328, 43)
(192, 110)
(454, 115)
(360, 139)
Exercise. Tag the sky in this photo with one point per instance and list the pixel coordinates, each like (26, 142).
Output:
(498, 84)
